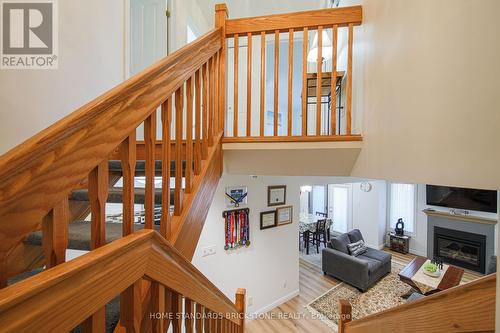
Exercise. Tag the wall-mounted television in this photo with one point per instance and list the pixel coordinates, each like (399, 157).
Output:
(462, 198)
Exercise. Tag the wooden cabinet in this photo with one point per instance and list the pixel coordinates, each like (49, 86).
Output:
(399, 243)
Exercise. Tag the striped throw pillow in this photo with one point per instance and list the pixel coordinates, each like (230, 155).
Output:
(355, 249)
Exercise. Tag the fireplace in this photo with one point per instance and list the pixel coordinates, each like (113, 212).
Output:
(464, 249)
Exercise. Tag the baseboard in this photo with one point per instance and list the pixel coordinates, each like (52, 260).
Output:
(275, 304)
(374, 246)
(418, 253)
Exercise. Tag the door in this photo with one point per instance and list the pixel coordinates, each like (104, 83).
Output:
(148, 33)
(147, 40)
(319, 199)
(339, 207)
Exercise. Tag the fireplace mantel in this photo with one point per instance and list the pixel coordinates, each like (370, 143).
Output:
(468, 218)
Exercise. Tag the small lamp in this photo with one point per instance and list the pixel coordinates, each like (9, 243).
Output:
(326, 48)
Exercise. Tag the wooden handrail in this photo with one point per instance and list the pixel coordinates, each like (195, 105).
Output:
(297, 21)
(38, 174)
(310, 138)
(62, 297)
(465, 308)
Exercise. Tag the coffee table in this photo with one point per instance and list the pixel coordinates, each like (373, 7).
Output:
(451, 278)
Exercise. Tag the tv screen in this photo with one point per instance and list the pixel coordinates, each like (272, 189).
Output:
(462, 198)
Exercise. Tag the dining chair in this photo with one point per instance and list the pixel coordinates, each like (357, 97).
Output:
(307, 238)
(321, 214)
(321, 234)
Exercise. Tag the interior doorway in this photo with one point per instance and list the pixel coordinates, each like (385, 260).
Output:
(147, 33)
(146, 40)
(340, 207)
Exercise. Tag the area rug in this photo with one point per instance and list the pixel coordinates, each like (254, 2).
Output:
(384, 295)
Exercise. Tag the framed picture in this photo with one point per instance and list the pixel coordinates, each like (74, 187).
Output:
(284, 215)
(276, 195)
(267, 219)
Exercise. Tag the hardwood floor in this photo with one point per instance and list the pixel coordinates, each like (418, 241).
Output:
(292, 315)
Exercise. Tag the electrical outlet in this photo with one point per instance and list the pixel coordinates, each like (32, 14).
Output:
(250, 301)
(208, 251)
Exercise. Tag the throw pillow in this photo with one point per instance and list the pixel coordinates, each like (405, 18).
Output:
(355, 236)
(340, 242)
(355, 249)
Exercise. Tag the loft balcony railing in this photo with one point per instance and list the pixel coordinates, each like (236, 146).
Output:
(285, 78)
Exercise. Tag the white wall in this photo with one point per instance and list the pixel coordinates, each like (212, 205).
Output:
(271, 261)
(369, 212)
(196, 12)
(426, 78)
(248, 8)
(91, 61)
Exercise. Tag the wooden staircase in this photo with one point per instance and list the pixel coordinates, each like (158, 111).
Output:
(43, 182)
(69, 169)
(63, 297)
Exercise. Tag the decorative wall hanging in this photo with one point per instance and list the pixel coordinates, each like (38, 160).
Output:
(267, 219)
(236, 228)
(236, 196)
(365, 186)
(284, 215)
(276, 195)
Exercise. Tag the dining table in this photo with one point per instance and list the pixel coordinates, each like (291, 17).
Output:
(308, 225)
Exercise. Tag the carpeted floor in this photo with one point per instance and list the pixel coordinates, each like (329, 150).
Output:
(384, 295)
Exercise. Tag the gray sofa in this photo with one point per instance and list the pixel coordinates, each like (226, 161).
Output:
(362, 271)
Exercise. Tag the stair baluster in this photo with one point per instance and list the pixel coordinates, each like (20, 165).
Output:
(166, 118)
(150, 145)
(128, 160)
(189, 136)
(179, 108)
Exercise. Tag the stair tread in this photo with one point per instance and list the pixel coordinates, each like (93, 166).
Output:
(115, 195)
(115, 165)
(79, 234)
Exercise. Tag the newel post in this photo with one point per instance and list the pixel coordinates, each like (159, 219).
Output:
(241, 307)
(345, 312)
(221, 15)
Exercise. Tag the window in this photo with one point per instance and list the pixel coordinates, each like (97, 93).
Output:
(402, 205)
